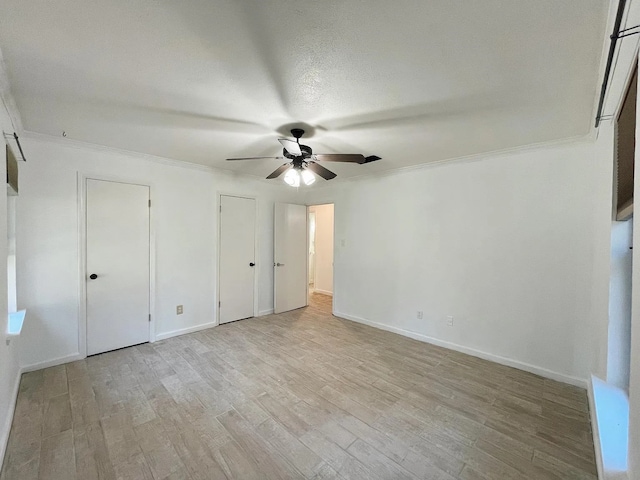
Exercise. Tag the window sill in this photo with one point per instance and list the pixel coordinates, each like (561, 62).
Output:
(15, 321)
(610, 416)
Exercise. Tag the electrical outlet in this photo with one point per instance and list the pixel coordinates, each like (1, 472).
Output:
(343, 242)
(179, 310)
(420, 315)
(450, 320)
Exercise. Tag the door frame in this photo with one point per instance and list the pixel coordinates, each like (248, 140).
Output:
(309, 246)
(82, 260)
(335, 247)
(257, 268)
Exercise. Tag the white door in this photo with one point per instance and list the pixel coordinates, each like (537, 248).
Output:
(237, 257)
(117, 265)
(290, 257)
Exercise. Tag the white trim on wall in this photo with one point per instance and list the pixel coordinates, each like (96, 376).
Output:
(54, 362)
(527, 367)
(68, 142)
(472, 158)
(184, 331)
(6, 428)
(82, 260)
(323, 292)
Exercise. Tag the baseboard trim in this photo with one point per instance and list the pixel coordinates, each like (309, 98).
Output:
(323, 292)
(4, 439)
(595, 429)
(184, 331)
(609, 413)
(268, 311)
(543, 372)
(52, 363)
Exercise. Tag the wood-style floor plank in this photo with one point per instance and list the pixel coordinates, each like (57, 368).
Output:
(297, 395)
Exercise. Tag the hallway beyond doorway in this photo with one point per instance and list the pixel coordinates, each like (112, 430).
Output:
(321, 245)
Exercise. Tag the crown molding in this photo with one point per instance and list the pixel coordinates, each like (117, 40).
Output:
(78, 144)
(588, 138)
(584, 139)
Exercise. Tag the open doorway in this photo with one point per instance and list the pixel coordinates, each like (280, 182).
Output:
(320, 224)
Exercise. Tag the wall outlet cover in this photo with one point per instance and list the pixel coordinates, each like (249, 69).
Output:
(179, 310)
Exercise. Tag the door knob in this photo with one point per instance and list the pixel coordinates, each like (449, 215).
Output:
(252, 264)
(93, 276)
(279, 264)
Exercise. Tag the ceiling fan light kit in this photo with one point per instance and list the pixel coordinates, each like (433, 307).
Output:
(292, 178)
(304, 164)
(307, 177)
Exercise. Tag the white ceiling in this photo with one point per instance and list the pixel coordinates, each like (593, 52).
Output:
(412, 81)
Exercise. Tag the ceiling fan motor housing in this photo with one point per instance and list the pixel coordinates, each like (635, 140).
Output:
(306, 153)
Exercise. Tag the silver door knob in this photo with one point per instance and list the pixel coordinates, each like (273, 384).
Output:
(279, 264)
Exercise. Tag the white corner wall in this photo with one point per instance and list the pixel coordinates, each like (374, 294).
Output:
(506, 245)
(324, 249)
(184, 212)
(9, 362)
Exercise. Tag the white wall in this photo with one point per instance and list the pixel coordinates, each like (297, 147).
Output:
(184, 212)
(506, 245)
(324, 248)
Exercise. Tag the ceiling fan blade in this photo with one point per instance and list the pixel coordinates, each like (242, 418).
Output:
(320, 170)
(338, 157)
(280, 170)
(290, 146)
(255, 158)
(371, 158)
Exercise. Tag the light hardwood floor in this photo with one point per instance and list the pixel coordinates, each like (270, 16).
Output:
(296, 395)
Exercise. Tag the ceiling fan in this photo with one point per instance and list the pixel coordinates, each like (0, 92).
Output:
(304, 161)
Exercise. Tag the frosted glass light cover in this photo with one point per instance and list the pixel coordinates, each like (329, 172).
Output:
(308, 177)
(292, 177)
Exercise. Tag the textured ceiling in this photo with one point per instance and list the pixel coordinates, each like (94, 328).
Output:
(412, 81)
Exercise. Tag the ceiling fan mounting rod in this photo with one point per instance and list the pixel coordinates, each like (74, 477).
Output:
(297, 133)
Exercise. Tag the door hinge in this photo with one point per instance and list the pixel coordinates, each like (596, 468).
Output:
(220, 207)
(149, 203)
(219, 304)
(149, 317)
